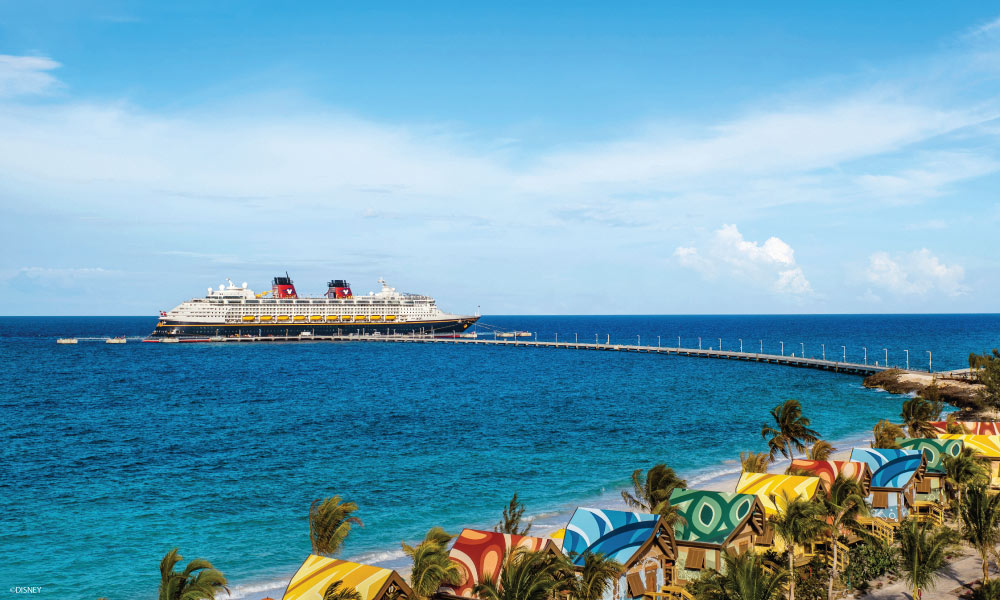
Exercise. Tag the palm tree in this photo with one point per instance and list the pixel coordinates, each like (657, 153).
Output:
(917, 415)
(744, 578)
(964, 470)
(525, 575)
(198, 581)
(844, 504)
(884, 435)
(338, 591)
(330, 522)
(989, 590)
(597, 576)
(981, 523)
(651, 493)
(511, 521)
(431, 566)
(821, 450)
(799, 523)
(790, 431)
(754, 462)
(921, 552)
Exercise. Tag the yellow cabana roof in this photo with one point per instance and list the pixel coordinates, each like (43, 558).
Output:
(558, 534)
(773, 489)
(987, 445)
(318, 572)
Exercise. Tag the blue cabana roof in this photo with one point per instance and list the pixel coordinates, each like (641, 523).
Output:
(614, 533)
(891, 469)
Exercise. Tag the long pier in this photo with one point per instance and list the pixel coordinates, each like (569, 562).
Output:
(775, 359)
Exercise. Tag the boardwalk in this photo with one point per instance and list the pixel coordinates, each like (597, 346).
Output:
(775, 359)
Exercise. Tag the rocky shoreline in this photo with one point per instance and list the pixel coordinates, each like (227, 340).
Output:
(958, 392)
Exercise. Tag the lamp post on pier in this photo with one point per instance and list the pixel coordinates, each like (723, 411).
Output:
(720, 344)
(782, 348)
(886, 356)
(557, 337)
(823, 346)
(678, 342)
(803, 344)
(576, 338)
(596, 343)
(930, 367)
(844, 348)
(762, 346)
(741, 345)
(699, 343)
(907, 359)
(657, 341)
(866, 354)
(638, 340)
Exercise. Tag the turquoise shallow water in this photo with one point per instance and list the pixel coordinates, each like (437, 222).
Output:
(115, 454)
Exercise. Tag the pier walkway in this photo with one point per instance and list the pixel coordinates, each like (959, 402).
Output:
(791, 361)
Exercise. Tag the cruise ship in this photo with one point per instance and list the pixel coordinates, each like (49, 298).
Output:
(233, 310)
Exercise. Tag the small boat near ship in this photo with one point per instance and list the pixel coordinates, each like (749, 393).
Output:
(115, 340)
(66, 341)
(514, 334)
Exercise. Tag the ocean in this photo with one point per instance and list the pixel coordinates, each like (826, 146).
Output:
(114, 454)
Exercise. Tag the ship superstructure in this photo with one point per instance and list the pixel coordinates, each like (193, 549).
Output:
(233, 310)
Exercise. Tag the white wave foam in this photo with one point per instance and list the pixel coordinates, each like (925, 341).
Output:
(273, 589)
(377, 557)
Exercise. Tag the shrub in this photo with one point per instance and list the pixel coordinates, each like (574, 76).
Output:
(867, 561)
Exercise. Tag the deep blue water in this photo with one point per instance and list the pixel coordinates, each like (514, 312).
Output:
(114, 454)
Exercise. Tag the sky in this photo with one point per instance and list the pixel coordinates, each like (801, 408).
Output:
(519, 157)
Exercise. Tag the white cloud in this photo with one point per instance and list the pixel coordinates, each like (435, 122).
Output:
(915, 273)
(26, 75)
(770, 265)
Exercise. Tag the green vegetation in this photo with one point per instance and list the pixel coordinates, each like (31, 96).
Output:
(800, 523)
(330, 522)
(651, 493)
(842, 508)
(922, 553)
(338, 591)
(981, 523)
(198, 581)
(918, 413)
(511, 520)
(962, 471)
(745, 578)
(790, 431)
(526, 576)
(431, 566)
(596, 578)
(987, 367)
(754, 462)
(868, 561)
(884, 435)
(821, 450)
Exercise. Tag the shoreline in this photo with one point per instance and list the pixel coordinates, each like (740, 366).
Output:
(721, 477)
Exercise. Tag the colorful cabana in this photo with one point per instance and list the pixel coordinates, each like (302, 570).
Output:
(988, 446)
(712, 523)
(480, 554)
(931, 487)
(971, 427)
(775, 490)
(894, 476)
(317, 573)
(829, 470)
(642, 543)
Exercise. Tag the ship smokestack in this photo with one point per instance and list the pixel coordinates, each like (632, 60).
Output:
(338, 288)
(283, 287)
